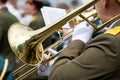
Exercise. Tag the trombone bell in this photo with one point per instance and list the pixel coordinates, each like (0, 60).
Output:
(20, 44)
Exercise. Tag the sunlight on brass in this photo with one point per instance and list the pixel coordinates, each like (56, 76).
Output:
(20, 37)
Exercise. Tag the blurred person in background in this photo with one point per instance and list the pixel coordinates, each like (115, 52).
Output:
(13, 9)
(26, 18)
(33, 8)
(6, 20)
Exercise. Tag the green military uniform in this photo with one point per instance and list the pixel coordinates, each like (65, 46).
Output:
(37, 21)
(6, 20)
(98, 60)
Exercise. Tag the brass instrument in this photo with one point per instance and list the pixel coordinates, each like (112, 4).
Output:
(23, 40)
(27, 44)
(77, 21)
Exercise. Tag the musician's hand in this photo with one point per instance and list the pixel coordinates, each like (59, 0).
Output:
(83, 32)
(45, 70)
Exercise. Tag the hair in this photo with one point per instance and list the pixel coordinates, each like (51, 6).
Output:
(38, 5)
(3, 1)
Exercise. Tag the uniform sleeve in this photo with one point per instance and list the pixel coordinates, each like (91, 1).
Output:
(97, 61)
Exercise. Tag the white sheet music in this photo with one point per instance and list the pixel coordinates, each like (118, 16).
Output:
(52, 14)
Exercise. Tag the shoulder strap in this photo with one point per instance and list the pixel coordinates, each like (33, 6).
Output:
(4, 69)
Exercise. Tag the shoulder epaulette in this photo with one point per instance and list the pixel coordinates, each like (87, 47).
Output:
(114, 31)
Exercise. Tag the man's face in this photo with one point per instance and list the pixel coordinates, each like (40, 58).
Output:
(100, 9)
(107, 9)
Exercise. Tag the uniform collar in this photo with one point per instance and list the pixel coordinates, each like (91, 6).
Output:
(114, 24)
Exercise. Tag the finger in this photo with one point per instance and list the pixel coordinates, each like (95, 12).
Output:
(53, 52)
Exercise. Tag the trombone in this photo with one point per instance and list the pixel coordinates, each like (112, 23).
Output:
(77, 20)
(27, 44)
(23, 40)
(66, 37)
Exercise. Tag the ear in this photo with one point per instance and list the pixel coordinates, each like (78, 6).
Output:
(106, 3)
